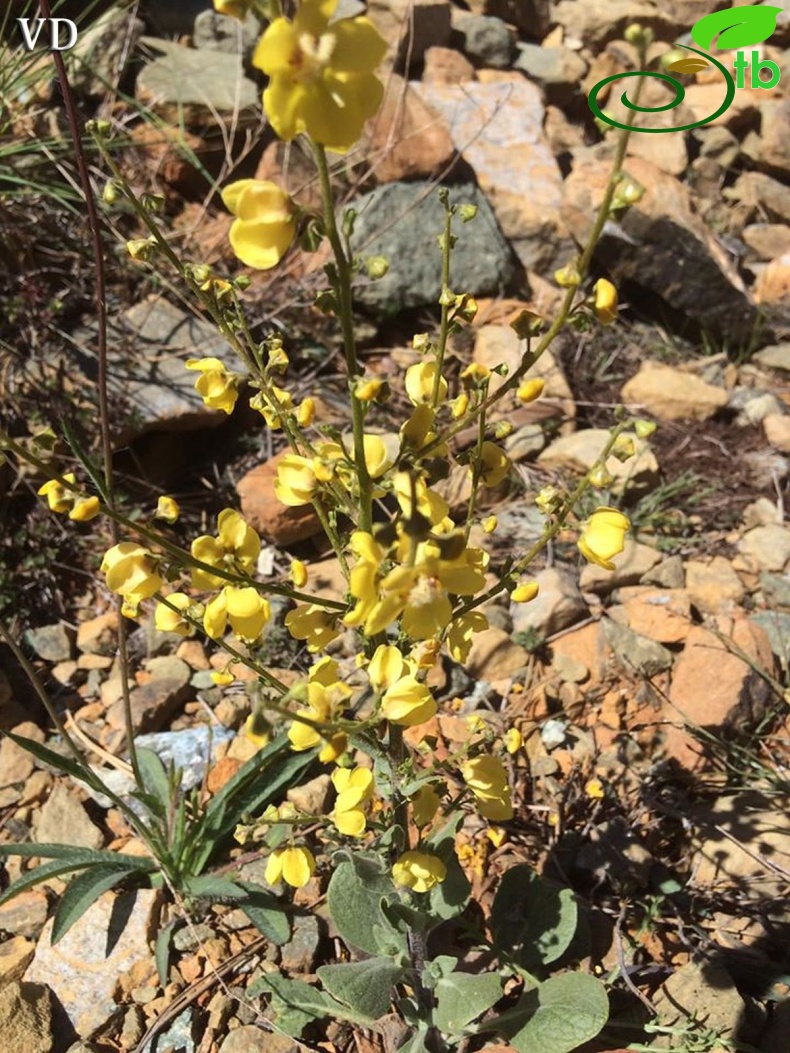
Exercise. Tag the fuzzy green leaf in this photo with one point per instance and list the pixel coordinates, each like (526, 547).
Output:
(78, 856)
(462, 997)
(556, 1017)
(55, 760)
(448, 899)
(737, 27)
(82, 892)
(36, 876)
(363, 986)
(533, 919)
(354, 899)
(266, 913)
(300, 996)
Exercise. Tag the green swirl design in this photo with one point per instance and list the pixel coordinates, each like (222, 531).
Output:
(680, 94)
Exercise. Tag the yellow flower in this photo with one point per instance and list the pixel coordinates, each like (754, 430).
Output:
(216, 385)
(85, 508)
(321, 75)
(368, 389)
(354, 789)
(223, 677)
(381, 452)
(419, 871)
(525, 592)
(408, 703)
(429, 503)
(235, 548)
(296, 482)
(295, 865)
(167, 620)
(496, 835)
(386, 667)
(130, 570)
(594, 788)
(59, 498)
(245, 609)
(272, 404)
(418, 594)
(494, 464)
(489, 524)
(265, 222)
(461, 632)
(420, 379)
(603, 536)
(326, 698)
(487, 779)
(167, 509)
(530, 390)
(312, 624)
(605, 307)
(425, 804)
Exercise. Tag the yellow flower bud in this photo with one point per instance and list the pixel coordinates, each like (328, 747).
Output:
(459, 406)
(525, 592)
(567, 277)
(514, 740)
(298, 573)
(529, 390)
(490, 524)
(605, 307)
(305, 414)
(644, 428)
(141, 249)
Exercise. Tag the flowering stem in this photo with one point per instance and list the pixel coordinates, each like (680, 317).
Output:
(342, 285)
(583, 265)
(551, 531)
(181, 554)
(444, 325)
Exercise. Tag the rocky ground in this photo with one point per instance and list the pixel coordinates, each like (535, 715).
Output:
(653, 700)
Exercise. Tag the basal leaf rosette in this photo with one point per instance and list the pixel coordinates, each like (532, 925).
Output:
(321, 74)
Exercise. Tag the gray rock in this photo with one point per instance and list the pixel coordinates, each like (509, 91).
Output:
(718, 143)
(311, 797)
(752, 405)
(96, 62)
(190, 937)
(192, 750)
(410, 27)
(215, 32)
(654, 243)
(26, 1018)
(669, 574)
(148, 348)
(557, 69)
(402, 221)
(777, 628)
(487, 41)
(497, 128)
(638, 653)
(178, 1036)
(532, 16)
(775, 589)
(767, 241)
(213, 80)
(777, 356)
(578, 451)
(766, 468)
(154, 702)
(175, 18)
(82, 969)
(53, 643)
(767, 546)
(63, 820)
(300, 953)
(769, 198)
(559, 603)
(525, 442)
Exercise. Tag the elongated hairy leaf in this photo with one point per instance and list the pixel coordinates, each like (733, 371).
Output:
(155, 781)
(266, 913)
(82, 892)
(736, 27)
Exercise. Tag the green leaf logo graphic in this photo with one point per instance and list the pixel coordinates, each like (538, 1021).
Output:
(737, 27)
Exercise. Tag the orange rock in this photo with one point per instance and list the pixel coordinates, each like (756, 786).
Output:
(586, 645)
(660, 614)
(222, 772)
(407, 139)
(773, 284)
(261, 508)
(714, 689)
(446, 66)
